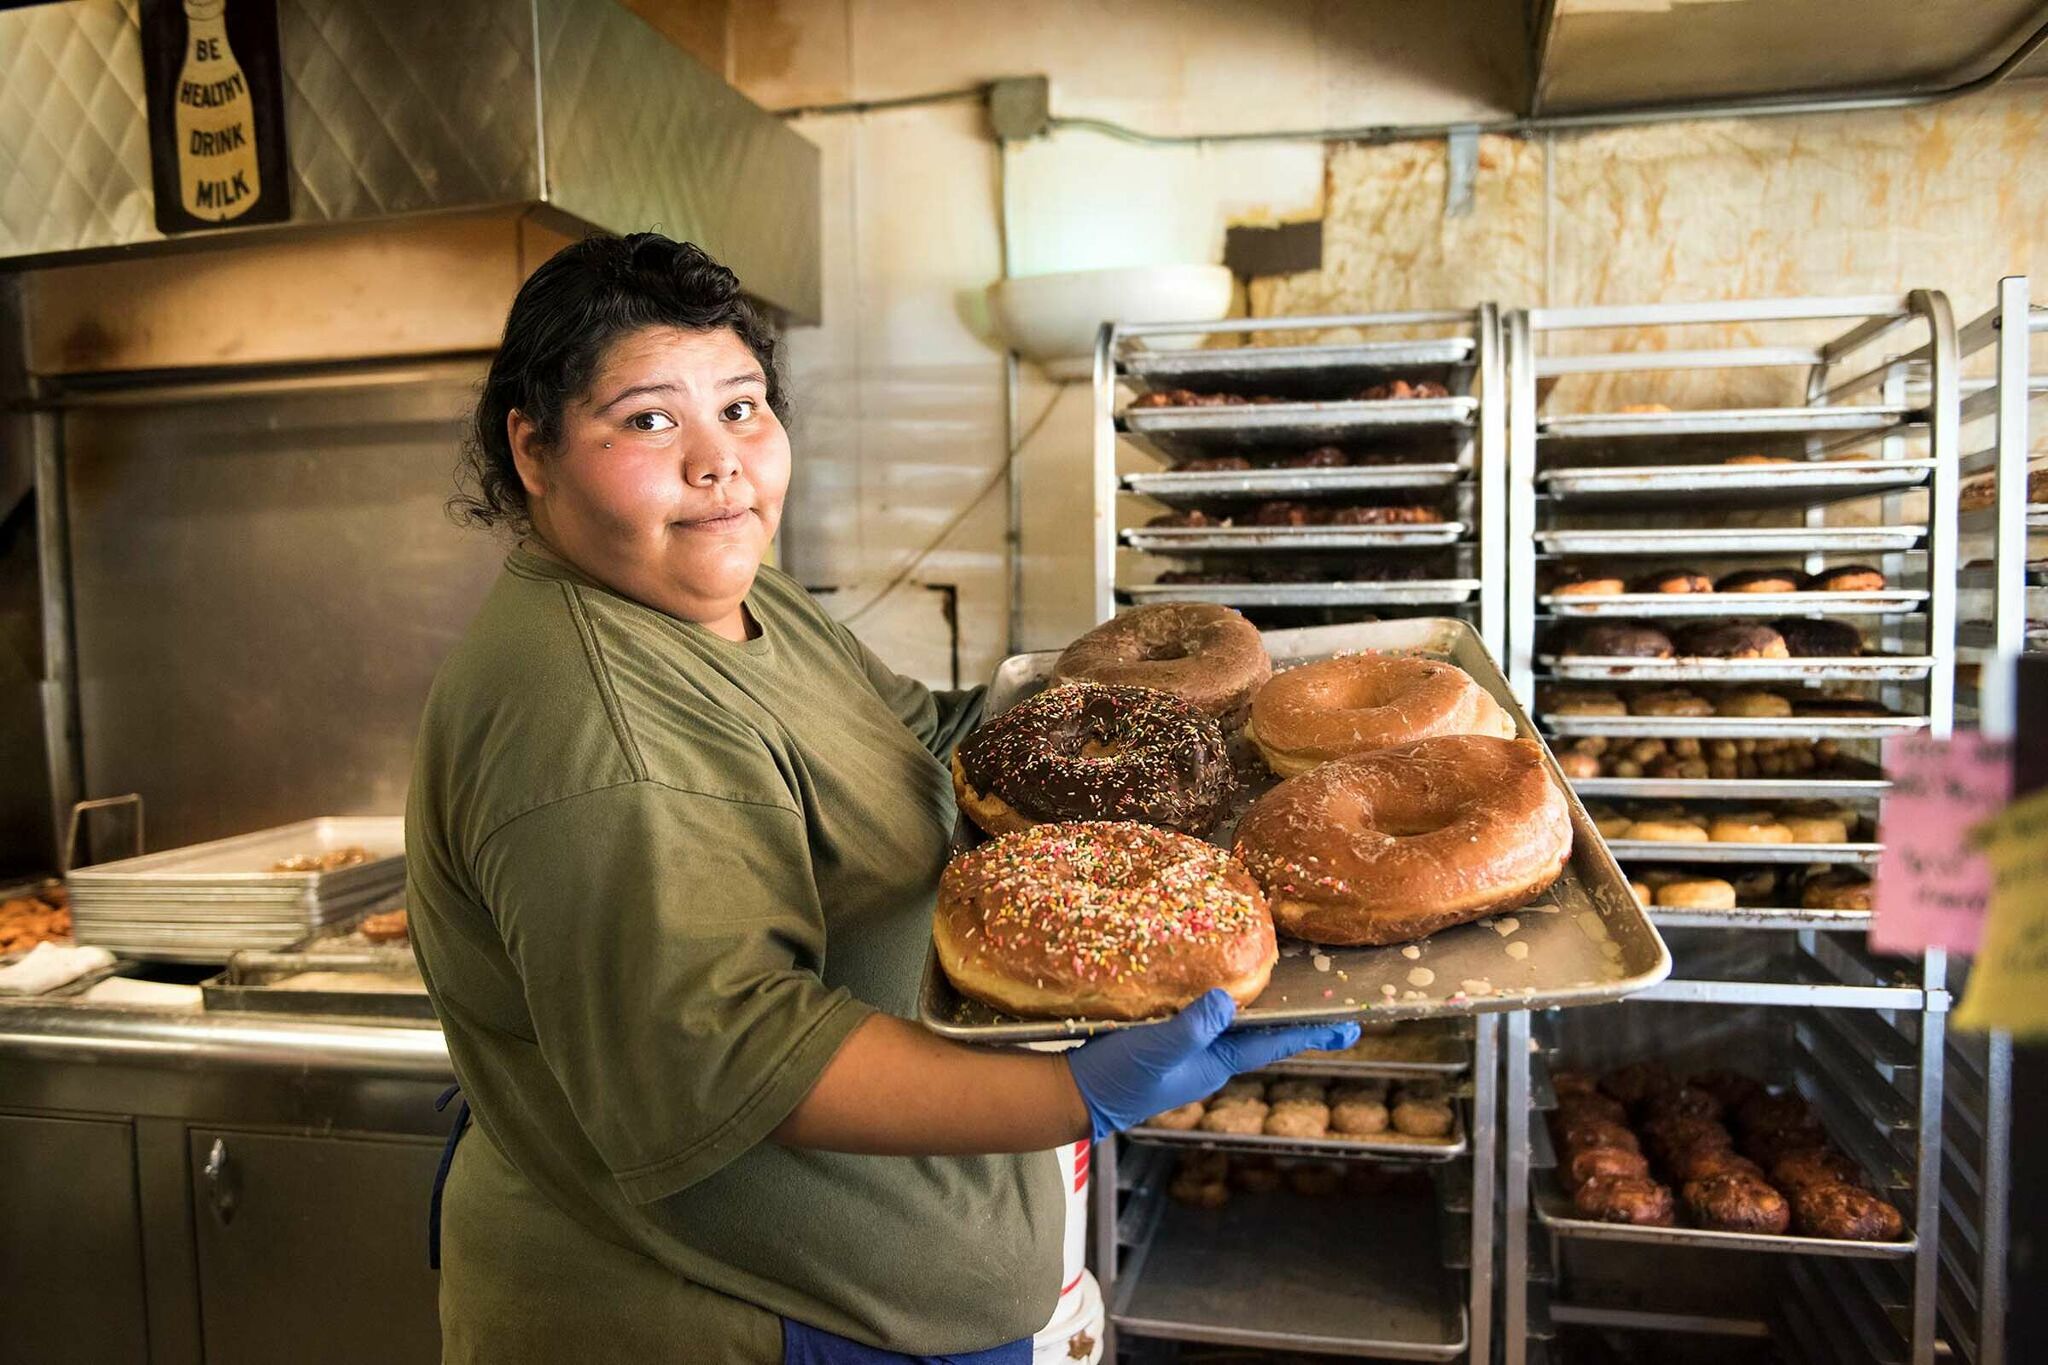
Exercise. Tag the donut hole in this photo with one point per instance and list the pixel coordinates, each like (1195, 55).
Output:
(1100, 748)
(1163, 651)
(1411, 824)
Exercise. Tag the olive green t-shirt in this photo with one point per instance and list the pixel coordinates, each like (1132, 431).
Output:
(656, 878)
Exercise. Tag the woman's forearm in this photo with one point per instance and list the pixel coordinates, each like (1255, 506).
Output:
(894, 1089)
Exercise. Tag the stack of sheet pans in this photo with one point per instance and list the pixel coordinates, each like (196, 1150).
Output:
(206, 901)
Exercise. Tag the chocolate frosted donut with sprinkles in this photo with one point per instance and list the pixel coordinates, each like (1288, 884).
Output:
(1088, 752)
(1102, 920)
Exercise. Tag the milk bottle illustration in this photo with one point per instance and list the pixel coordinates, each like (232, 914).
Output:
(215, 121)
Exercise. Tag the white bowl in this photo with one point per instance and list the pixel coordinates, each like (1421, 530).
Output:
(1052, 320)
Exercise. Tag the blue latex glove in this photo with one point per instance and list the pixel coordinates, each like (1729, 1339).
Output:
(1127, 1076)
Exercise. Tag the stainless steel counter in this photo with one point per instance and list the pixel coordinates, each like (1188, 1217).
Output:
(191, 1038)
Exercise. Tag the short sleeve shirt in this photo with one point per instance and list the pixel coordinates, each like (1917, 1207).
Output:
(656, 878)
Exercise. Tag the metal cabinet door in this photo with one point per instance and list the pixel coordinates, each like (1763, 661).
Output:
(314, 1249)
(70, 1244)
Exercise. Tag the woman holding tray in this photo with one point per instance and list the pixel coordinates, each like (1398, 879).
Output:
(673, 840)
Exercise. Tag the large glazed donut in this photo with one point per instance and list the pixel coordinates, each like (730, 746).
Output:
(1397, 844)
(1101, 921)
(1356, 703)
(1094, 753)
(1209, 656)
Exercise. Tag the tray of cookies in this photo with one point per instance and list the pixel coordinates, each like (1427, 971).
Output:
(1060, 926)
(1762, 895)
(1719, 1160)
(1785, 649)
(1802, 834)
(1304, 1117)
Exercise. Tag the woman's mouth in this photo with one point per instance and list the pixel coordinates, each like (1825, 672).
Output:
(719, 521)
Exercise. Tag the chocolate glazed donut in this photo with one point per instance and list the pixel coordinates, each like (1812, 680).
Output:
(1209, 656)
(1086, 752)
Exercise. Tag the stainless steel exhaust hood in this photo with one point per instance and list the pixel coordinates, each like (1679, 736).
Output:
(574, 110)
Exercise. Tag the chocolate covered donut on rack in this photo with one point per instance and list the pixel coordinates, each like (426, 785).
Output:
(1817, 637)
(1619, 640)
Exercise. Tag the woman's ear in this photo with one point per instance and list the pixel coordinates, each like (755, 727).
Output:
(523, 434)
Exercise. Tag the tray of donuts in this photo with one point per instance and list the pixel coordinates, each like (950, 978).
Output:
(1244, 415)
(1816, 894)
(1412, 1120)
(1790, 648)
(1718, 1161)
(1839, 590)
(1791, 832)
(1332, 822)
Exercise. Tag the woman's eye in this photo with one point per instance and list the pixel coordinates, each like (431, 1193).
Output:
(739, 410)
(650, 421)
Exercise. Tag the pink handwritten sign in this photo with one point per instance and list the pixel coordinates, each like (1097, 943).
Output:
(1932, 885)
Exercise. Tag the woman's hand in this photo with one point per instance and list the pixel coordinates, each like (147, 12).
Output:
(1127, 1076)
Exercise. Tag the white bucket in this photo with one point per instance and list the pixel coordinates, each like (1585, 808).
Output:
(1075, 1332)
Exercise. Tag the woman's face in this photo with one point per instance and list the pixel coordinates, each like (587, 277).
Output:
(668, 481)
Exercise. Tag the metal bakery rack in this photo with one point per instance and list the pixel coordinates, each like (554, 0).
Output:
(1403, 1273)
(1865, 469)
(1434, 451)
(2002, 605)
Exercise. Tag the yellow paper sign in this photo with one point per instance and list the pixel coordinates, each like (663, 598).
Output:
(2008, 987)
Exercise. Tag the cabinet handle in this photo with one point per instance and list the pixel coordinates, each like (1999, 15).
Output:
(220, 1182)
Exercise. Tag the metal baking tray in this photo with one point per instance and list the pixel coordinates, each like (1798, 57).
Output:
(1203, 484)
(1734, 727)
(1697, 485)
(1346, 366)
(1305, 424)
(1587, 939)
(1557, 1214)
(1984, 520)
(1413, 592)
(1849, 779)
(1742, 425)
(1863, 667)
(1353, 1276)
(1387, 1146)
(1440, 1048)
(1759, 917)
(263, 982)
(1728, 540)
(1886, 602)
(1180, 540)
(1675, 851)
(244, 860)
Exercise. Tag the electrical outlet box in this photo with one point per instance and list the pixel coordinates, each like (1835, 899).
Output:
(1019, 107)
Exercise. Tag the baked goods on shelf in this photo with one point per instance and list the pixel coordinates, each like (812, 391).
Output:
(1356, 703)
(1847, 578)
(1583, 583)
(389, 926)
(1207, 655)
(1087, 751)
(1188, 398)
(1680, 824)
(1401, 389)
(1787, 1175)
(1582, 701)
(1306, 1108)
(1819, 637)
(1983, 492)
(1619, 640)
(1732, 640)
(1101, 921)
(1210, 1179)
(1675, 581)
(1840, 890)
(331, 860)
(1471, 824)
(42, 915)
(1680, 757)
(1760, 580)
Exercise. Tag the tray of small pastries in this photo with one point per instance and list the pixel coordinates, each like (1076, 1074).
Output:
(1186, 418)
(1335, 822)
(362, 968)
(1280, 1115)
(1719, 1160)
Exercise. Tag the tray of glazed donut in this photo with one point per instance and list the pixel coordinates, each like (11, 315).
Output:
(1718, 1161)
(1786, 649)
(1411, 1120)
(1334, 822)
(1177, 418)
(1814, 894)
(1791, 832)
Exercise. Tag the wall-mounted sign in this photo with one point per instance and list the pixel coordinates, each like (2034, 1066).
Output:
(216, 113)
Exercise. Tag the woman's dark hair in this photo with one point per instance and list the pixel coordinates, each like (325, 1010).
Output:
(565, 318)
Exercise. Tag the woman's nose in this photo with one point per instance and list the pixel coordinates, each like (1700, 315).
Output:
(710, 463)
